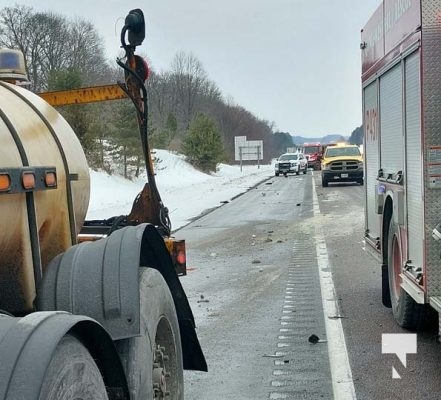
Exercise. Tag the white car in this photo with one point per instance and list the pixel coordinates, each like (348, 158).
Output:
(291, 163)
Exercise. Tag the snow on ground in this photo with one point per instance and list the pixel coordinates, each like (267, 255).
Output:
(186, 191)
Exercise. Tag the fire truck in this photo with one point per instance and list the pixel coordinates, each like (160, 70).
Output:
(314, 153)
(401, 85)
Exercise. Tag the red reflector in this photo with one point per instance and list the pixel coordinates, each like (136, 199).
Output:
(180, 258)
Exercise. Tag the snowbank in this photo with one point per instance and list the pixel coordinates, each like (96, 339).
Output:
(186, 191)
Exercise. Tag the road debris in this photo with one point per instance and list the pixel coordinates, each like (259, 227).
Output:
(314, 339)
(336, 316)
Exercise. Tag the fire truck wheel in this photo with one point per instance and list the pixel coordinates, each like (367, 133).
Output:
(72, 374)
(153, 361)
(407, 312)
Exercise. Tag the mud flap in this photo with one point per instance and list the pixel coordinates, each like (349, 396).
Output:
(154, 254)
(385, 291)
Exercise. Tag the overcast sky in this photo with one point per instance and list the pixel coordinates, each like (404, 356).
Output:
(292, 62)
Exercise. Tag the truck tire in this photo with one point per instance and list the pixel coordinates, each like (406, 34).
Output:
(277, 174)
(153, 362)
(305, 171)
(407, 312)
(324, 182)
(72, 374)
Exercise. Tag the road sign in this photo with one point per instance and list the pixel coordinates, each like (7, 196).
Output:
(247, 150)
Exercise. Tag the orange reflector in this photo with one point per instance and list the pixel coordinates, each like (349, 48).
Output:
(28, 180)
(50, 179)
(180, 258)
(5, 182)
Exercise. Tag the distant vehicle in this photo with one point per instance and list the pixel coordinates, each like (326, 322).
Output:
(313, 153)
(291, 163)
(342, 163)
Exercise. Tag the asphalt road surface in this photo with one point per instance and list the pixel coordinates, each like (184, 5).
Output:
(288, 302)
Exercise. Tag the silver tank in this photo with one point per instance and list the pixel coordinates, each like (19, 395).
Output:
(27, 118)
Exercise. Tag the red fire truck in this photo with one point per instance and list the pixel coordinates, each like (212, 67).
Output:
(401, 77)
(313, 153)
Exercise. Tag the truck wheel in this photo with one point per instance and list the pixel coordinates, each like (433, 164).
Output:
(277, 174)
(298, 171)
(407, 312)
(305, 171)
(72, 374)
(153, 361)
(324, 182)
(361, 181)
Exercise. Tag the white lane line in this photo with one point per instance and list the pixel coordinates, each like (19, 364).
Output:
(342, 382)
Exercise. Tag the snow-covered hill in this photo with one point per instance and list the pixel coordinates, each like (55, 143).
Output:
(186, 191)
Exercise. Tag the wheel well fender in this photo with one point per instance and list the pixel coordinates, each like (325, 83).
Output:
(101, 280)
(28, 343)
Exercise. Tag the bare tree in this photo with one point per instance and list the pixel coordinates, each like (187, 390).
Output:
(49, 42)
(16, 30)
(87, 52)
(189, 79)
(162, 98)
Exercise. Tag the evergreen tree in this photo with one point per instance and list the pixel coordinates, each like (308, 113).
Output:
(161, 138)
(203, 144)
(79, 117)
(124, 136)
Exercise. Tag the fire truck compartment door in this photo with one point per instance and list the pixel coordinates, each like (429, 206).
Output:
(414, 161)
(371, 157)
(391, 121)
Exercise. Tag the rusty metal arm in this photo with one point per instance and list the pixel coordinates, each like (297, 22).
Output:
(84, 95)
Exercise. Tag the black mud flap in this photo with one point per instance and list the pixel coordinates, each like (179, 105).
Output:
(385, 290)
(154, 254)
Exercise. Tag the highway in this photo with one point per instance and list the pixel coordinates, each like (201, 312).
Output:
(287, 300)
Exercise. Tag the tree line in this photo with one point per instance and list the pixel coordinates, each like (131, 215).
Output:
(187, 111)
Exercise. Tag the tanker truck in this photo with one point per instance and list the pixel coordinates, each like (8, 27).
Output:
(88, 310)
